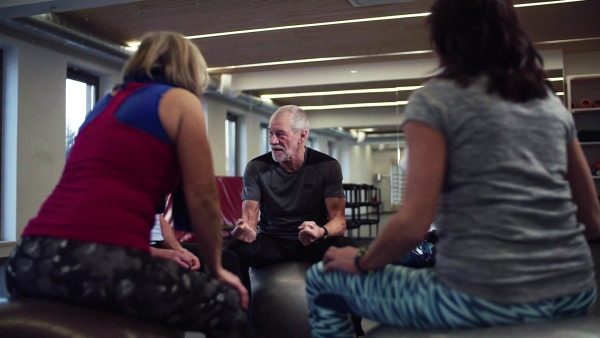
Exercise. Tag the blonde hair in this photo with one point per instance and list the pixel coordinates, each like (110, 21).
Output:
(177, 59)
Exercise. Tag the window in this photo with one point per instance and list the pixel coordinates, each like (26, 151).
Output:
(310, 142)
(331, 149)
(264, 138)
(1, 129)
(231, 145)
(82, 93)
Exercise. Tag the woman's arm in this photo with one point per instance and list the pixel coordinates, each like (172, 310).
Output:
(169, 241)
(182, 116)
(583, 190)
(407, 228)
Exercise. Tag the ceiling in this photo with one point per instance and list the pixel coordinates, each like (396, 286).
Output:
(321, 56)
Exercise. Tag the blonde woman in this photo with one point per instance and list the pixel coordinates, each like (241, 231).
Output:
(89, 246)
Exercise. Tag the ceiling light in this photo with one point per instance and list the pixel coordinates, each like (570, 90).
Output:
(355, 105)
(340, 92)
(317, 24)
(566, 40)
(543, 3)
(132, 45)
(335, 58)
(342, 22)
(361, 137)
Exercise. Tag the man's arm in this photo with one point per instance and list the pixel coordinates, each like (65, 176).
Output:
(310, 231)
(247, 227)
(336, 208)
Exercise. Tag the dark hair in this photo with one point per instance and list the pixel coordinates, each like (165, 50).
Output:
(484, 37)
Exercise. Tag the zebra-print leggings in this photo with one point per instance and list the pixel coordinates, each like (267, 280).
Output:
(414, 298)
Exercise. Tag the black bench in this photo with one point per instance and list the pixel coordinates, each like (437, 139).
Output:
(28, 317)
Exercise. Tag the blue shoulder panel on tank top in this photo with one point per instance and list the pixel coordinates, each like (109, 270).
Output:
(140, 110)
(98, 108)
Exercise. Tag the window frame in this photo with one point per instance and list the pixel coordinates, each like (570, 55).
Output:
(235, 148)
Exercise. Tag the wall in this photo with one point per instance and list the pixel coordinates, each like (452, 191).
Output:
(582, 63)
(34, 125)
(216, 116)
(382, 162)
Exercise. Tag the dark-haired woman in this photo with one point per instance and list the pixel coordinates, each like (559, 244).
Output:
(495, 162)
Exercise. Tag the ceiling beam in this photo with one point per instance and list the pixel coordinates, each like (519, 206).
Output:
(10, 9)
(391, 70)
(354, 73)
(359, 118)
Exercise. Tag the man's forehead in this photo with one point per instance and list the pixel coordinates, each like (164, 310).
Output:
(280, 122)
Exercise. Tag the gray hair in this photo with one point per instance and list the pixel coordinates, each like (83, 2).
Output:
(299, 119)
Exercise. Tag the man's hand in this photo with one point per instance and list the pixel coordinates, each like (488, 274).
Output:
(310, 232)
(244, 232)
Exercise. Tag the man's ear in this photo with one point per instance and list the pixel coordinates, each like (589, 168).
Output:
(303, 135)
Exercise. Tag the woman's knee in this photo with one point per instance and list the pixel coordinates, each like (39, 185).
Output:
(314, 277)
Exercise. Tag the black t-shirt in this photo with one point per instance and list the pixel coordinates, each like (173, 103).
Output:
(288, 199)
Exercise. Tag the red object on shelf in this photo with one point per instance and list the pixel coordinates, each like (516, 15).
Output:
(585, 103)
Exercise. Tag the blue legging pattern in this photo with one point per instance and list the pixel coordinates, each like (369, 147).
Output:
(414, 298)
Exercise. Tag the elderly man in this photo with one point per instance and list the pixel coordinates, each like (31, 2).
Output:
(299, 194)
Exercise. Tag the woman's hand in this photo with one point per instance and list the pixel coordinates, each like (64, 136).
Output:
(340, 259)
(185, 258)
(233, 280)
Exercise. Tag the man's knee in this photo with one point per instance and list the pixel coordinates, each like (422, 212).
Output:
(240, 248)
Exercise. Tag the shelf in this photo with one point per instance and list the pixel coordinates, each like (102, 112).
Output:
(580, 87)
(589, 144)
(581, 111)
(363, 206)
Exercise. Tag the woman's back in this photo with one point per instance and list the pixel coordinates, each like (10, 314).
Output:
(117, 175)
(508, 227)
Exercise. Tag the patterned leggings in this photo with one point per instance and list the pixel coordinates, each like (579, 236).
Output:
(124, 280)
(414, 298)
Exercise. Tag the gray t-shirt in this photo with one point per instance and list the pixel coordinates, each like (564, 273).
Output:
(288, 199)
(506, 219)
